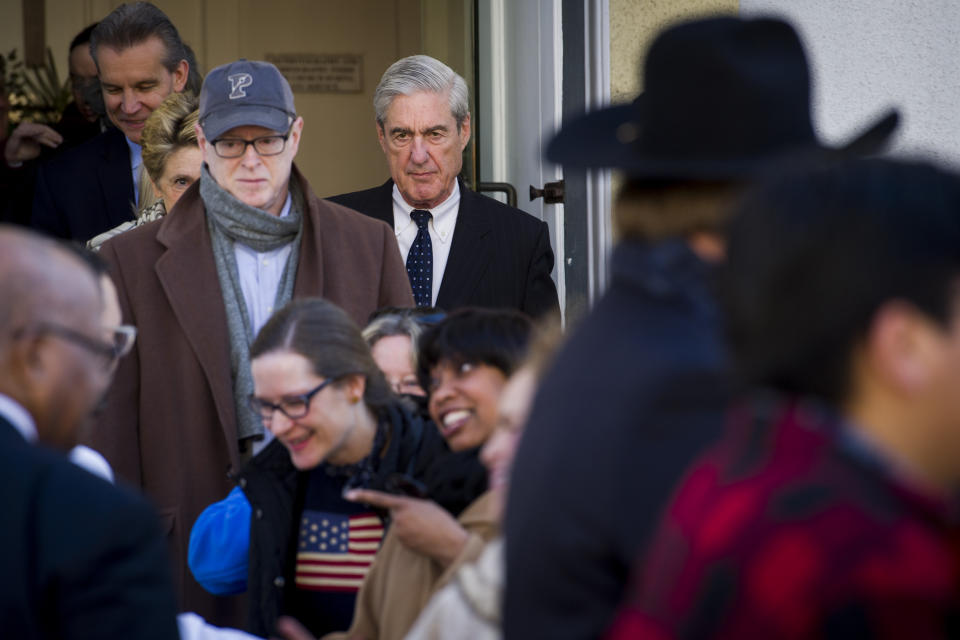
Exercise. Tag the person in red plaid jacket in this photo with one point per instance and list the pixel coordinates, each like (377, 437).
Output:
(827, 510)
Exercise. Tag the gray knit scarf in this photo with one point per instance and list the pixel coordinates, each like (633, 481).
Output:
(231, 221)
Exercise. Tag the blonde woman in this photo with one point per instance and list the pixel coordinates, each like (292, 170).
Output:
(171, 162)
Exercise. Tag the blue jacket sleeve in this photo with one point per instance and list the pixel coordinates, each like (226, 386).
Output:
(219, 550)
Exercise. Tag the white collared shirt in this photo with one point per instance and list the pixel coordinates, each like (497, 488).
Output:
(260, 274)
(19, 417)
(440, 227)
(136, 163)
(84, 457)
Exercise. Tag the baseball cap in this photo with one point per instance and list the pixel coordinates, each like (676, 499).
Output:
(245, 93)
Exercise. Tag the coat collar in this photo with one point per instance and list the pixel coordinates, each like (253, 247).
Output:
(188, 276)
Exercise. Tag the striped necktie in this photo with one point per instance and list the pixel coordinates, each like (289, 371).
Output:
(420, 260)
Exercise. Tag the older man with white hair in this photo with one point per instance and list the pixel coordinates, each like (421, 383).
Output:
(461, 248)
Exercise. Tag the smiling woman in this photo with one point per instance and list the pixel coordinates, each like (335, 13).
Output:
(337, 426)
(464, 363)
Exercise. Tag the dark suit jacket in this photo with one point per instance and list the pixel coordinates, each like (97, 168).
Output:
(500, 256)
(169, 426)
(86, 190)
(82, 558)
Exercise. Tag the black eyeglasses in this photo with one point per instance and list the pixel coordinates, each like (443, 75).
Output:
(121, 340)
(293, 407)
(264, 145)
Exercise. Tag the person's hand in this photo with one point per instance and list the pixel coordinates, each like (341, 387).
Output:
(26, 141)
(421, 525)
(290, 629)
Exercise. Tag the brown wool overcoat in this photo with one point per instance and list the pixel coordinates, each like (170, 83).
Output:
(169, 426)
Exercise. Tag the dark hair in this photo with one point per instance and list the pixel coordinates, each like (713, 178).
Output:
(813, 256)
(83, 37)
(194, 77)
(131, 24)
(498, 338)
(325, 335)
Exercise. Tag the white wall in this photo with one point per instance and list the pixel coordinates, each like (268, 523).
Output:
(868, 54)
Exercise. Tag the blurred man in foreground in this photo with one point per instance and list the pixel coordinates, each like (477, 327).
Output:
(85, 559)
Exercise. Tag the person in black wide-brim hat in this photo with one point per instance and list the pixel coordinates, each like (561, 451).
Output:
(724, 99)
(642, 386)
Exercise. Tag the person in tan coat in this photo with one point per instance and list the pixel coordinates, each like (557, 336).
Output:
(464, 363)
(246, 238)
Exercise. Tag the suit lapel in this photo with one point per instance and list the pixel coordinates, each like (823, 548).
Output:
(188, 275)
(469, 254)
(382, 208)
(116, 180)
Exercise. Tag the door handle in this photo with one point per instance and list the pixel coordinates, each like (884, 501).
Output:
(552, 192)
(500, 187)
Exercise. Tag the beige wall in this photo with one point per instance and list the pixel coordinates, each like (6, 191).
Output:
(339, 150)
(633, 25)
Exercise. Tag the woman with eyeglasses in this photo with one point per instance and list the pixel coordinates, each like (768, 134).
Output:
(392, 338)
(337, 425)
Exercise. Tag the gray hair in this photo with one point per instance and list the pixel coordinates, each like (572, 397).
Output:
(421, 73)
(394, 324)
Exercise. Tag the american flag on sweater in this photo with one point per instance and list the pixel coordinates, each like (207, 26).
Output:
(334, 550)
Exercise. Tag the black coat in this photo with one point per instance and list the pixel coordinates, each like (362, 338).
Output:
(635, 394)
(500, 256)
(82, 558)
(275, 490)
(86, 190)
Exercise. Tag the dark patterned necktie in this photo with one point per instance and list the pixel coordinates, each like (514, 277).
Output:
(420, 260)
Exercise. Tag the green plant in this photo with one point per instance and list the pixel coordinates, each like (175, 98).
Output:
(36, 94)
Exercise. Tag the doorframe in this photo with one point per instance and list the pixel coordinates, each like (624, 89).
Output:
(517, 116)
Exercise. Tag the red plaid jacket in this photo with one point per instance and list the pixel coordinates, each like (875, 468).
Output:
(790, 528)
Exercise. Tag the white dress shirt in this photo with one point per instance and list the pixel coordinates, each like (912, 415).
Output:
(260, 274)
(82, 456)
(440, 227)
(136, 162)
(19, 417)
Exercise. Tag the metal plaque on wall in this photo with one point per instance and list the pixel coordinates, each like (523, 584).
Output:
(320, 72)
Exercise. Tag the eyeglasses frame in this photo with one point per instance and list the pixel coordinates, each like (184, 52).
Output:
(253, 143)
(256, 403)
(110, 352)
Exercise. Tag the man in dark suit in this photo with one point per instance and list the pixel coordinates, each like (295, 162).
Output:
(90, 189)
(460, 248)
(84, 559)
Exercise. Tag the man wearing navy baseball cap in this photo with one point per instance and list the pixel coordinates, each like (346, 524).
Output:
(244, 240)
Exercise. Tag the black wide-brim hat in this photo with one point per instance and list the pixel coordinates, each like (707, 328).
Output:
(725, 99)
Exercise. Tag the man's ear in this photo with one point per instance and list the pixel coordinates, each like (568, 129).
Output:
(296, 130)
(26, 368)
(902, 347)
(202, 141)
(381, 136)
(180, 75)
(465, 133)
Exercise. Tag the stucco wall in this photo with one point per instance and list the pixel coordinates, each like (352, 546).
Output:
(868, 54)
(634, 23)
